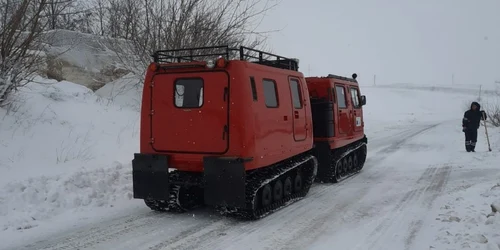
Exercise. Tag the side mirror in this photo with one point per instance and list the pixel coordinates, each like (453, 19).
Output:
(363, 100)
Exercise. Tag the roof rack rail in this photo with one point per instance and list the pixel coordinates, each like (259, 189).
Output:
(353, 79)
(212, 52)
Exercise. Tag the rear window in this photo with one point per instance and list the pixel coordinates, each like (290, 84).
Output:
(188, 93)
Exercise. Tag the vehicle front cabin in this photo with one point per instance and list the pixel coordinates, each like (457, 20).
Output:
(338, 100)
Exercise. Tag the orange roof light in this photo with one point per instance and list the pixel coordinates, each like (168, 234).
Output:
(221, 63)
(153, 67)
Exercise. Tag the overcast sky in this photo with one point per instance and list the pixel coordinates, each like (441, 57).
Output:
(413, 41)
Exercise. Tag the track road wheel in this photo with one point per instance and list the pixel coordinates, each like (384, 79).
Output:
(278, 190)
(338, 169)
(349, 164)
(297, 185)
(345, 166)
(294, 177)
(188, 198)
(266, 196)
(355, 163)
(287, 187)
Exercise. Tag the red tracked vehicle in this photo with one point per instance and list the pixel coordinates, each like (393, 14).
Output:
(242, 129)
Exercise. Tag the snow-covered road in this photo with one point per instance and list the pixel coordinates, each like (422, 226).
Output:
(389, 205)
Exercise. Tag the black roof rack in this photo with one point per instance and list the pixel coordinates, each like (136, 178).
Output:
(343, 78)
(211, 53)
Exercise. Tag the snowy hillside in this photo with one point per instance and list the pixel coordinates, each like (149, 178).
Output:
(65, 155)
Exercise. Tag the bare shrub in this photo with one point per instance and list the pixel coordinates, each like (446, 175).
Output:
(76, 147)
(150, 25)
(492, 109)
(21, 24)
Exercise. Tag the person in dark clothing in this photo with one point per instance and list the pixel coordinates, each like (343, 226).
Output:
(470, 124)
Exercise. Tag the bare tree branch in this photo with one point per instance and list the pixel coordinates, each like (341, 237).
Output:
(20, 50)
(151, 25)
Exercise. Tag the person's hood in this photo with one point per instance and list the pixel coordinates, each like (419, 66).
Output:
(477, 104)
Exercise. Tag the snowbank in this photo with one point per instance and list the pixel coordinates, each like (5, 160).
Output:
(87, 51)
(85, 59)
(27, 203)
(126, 91)
(62, 148)
(465, 221)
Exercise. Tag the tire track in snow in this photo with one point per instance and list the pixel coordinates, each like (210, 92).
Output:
(395, 219)
(375, 160)
(123, 228)
(88, 236)
(198, 236)
(438, 188)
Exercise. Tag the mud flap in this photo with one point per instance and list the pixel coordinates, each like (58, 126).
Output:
(224, 181)
(150, 176)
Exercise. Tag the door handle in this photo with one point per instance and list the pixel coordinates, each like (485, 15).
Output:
(296, 113)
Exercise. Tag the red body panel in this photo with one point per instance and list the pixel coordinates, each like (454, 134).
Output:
(348, 113)
(265, 134)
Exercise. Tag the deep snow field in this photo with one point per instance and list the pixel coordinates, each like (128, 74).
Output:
(65, 180)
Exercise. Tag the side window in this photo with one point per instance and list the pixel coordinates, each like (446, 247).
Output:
(270, 93)
(188, 93)
(355, 98)
(341, 97)
(296, 93)
(254, 88)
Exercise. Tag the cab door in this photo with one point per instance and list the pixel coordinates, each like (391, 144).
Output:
(299, 112)
(190, 112)
(344, 123)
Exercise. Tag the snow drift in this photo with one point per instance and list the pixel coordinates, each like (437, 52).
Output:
(61, 148)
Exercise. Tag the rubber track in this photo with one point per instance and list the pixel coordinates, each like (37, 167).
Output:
(306, 164)
(255, 181)
(339, 155)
